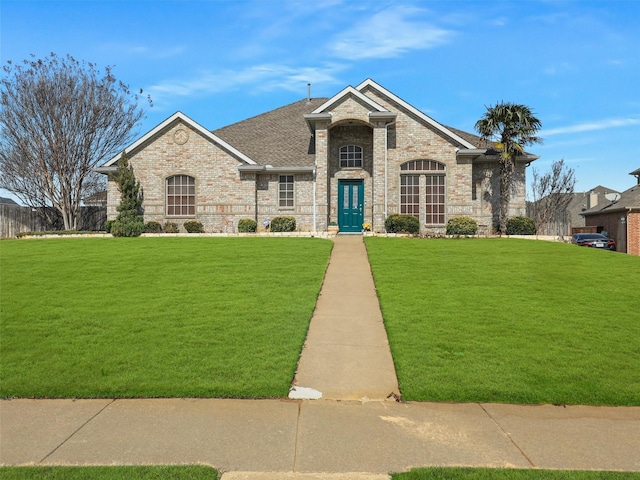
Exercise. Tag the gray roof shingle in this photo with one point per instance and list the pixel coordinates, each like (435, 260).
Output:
(280, 137)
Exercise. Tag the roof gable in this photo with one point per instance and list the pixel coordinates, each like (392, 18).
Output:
(344, 93)
(370, 84)
(179, 116)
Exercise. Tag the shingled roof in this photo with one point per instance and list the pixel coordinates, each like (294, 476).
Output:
(629, 200)
(280, 137)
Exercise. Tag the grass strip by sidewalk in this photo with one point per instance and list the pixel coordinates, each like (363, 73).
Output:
(514, 321)
(180, 472)
(156, 317)
(455, 473)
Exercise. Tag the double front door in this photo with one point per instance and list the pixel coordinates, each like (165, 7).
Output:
(350, 205)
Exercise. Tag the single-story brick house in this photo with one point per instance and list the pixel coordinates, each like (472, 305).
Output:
(620, 218)
(356, 157)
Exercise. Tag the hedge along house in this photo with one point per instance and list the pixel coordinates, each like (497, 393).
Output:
(357, 157)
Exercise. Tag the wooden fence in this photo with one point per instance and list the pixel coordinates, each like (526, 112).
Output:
(15, 219)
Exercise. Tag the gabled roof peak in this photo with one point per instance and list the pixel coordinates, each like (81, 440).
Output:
(369, 83)
(179, 116)
(345, 92)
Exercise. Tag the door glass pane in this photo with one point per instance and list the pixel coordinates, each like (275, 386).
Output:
(345, 196)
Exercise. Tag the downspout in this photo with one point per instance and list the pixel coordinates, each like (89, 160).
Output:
(315, 226)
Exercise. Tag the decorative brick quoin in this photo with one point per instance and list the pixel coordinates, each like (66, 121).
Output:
(354, 158)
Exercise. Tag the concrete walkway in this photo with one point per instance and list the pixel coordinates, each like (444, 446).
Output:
(346, 354)
(353, 433)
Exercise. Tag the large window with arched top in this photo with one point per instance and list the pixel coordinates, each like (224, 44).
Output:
(423, 190)
(351, 156)
(181, 195)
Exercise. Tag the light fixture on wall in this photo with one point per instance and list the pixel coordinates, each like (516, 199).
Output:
(623, 219)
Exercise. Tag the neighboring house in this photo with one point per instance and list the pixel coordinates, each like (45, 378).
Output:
(620, 218)
(356, 157)
(7, 201)
(98, 199)
(569, 220)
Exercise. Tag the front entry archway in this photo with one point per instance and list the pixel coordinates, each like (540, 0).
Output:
(350, 205)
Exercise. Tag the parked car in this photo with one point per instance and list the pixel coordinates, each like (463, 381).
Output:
(595, 240)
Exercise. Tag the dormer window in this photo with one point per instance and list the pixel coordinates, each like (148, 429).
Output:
(351, 156)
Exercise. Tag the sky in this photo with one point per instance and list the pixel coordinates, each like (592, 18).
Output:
(575, 63)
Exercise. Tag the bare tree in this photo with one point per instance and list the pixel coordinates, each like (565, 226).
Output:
(552, 193)
(60, 118)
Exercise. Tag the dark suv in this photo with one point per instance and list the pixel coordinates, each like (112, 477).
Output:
(595, 240)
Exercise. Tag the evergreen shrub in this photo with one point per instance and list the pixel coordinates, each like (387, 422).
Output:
(402, 224)
(129, 222)
(170, 228)
(521, 226)
(462, 226)
(152, 227)
(247, 225)
(193, 227)
(127, 227)
(283, 224)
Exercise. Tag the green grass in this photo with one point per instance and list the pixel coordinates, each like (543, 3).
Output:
(197, 472)
(445, 473)
(155, 317)
(504, 320)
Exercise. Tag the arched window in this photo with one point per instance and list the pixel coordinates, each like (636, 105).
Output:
(423, 190)
(351, 156)
(181, 196)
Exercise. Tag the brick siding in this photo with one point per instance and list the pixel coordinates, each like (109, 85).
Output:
(224, 195)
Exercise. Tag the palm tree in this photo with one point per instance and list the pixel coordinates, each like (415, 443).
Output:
(510, 127)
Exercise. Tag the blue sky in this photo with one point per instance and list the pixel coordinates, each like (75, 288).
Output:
(576, 63)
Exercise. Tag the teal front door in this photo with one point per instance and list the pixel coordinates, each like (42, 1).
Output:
(350, 205)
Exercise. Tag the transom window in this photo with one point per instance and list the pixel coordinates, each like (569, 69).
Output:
(351, 156)
(181, 195)
(423, 165)
(285, 191)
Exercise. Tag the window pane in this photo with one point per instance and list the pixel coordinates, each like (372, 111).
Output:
(181, 195)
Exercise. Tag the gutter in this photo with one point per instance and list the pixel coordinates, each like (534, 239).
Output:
(106, 170)
(272, 169)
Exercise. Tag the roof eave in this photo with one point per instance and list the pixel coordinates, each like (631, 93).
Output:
(272, 169)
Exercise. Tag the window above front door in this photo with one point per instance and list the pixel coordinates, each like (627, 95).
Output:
(351, 156)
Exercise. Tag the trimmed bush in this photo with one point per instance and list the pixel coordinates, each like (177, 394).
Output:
(521, 226)
(283, 224)
(462, 226)
(247, 225)
(107, 225)
(152, 227)
(193, 227)
(402, 224)
(170, 228)
(127, 227)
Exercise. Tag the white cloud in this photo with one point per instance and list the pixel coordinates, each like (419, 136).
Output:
(591, 126)
(387, 34)
(266, 77)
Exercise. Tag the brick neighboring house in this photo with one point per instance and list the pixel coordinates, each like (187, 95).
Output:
(620, 219)
(356, 157)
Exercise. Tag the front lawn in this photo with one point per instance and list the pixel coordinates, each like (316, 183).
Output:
(156, 317)
(446, 473)
(514, 321)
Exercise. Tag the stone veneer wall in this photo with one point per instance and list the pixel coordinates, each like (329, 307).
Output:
(223, 195)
